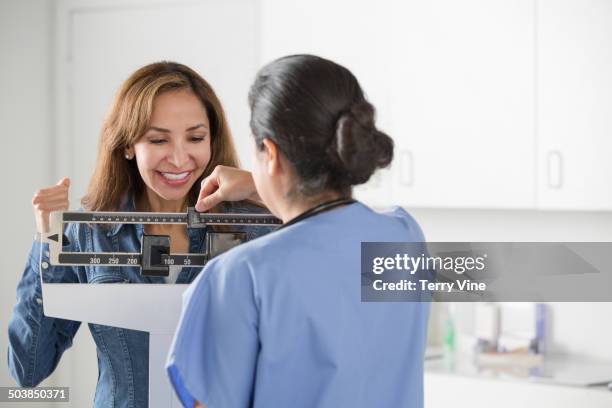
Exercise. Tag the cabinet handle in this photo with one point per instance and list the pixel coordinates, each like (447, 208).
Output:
(555, 169)
(406, 168)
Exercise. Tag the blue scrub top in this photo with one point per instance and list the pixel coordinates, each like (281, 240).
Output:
(279, 322)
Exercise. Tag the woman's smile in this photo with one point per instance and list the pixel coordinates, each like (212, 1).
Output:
(174, 179)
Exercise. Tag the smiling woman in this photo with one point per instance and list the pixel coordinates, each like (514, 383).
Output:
(165, 132)
(169, 119)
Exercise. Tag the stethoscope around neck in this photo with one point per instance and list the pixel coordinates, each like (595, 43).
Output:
(325, 206)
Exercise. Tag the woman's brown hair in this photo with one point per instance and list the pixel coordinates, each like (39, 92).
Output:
(127, 121)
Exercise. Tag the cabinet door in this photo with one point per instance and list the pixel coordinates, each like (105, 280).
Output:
(574, 83)
(480, 391)
(462, 103)
(354, 33)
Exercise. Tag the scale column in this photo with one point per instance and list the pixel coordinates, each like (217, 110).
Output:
(161, 394)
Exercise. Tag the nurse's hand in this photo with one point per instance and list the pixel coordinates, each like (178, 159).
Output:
(226, 184)
(50, 199)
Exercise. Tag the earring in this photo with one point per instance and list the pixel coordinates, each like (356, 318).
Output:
(127, 156)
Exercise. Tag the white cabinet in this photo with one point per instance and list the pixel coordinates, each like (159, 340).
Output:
(449, 390)
(463, 103)
(453, 84)
(574, 88)
(352, 33)
(491, 103)
(499, 104)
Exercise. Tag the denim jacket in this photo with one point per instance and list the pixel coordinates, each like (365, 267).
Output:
(37, 342)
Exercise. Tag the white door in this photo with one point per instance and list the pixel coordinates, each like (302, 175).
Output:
(575, 104)
(99, 44)
(463, 103)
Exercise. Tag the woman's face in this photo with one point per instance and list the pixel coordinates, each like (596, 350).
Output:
(175, 149)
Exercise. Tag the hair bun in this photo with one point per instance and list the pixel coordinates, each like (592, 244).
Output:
(360, 146)
(363, 112)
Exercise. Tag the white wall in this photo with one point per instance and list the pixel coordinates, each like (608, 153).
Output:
(26, 123)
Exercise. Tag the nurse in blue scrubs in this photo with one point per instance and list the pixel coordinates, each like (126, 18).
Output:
(278, 321)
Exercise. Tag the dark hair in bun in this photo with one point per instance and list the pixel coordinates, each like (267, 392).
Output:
(360, 146)
(315, 111)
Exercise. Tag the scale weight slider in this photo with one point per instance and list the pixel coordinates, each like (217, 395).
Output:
(153, 248)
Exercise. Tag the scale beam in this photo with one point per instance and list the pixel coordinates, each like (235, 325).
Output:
(155, 257)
